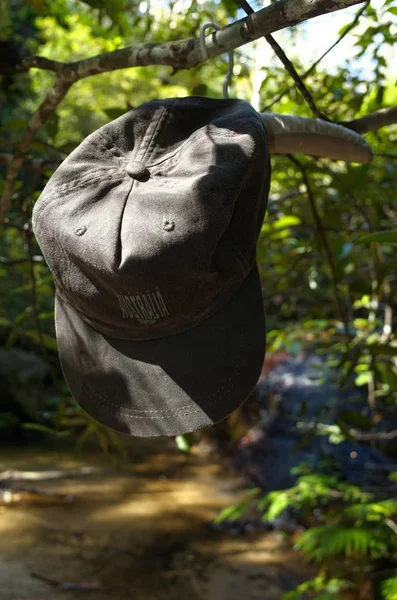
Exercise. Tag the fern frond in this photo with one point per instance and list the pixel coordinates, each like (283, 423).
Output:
(323, 542)
(389, 589)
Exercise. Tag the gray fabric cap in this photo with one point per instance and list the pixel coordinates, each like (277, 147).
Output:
(149, 228)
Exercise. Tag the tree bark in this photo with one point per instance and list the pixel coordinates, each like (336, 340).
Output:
(185, 54)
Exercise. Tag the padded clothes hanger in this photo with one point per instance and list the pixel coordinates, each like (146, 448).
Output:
(288, 134)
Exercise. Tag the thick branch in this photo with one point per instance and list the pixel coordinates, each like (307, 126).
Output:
(186, 54)
(51, 101)
(376, 120)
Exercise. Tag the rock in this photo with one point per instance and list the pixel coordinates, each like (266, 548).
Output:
(22, 376)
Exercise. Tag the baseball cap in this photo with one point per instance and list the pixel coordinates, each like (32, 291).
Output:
(150, 227)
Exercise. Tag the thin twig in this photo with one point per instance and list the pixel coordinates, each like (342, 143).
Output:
(11, 262)
(354, 434)
(386, 155)
(317, 62)
(376, 120)
(279, 52)
(381, 435)
(323, 236)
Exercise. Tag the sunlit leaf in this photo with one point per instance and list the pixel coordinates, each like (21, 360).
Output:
(41, 339)
(287, 221)
(382, 237)
(184, 442)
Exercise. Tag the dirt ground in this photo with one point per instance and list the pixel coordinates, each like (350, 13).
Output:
(138, 533)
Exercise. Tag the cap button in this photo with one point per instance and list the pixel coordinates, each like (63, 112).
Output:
(137, 170)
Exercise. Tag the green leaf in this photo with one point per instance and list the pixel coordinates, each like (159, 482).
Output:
(42, 339)
(233, 512)
(382, 237)
(279, 502)
(344, 429)
(40, 6)
(201, 89)
(52, 125)
(387, 374)
(184, 442)
(8, 419)
(230, 6)
(114, 113)
(45, 429)
(389, 586)
(88, 432)
(68, 147)
(324, 542)
(287, 221)
(356, 419)
(363, 378)
(385, 349)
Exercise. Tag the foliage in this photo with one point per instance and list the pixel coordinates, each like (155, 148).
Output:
(320, 588)
(389, 588)
(349, 531)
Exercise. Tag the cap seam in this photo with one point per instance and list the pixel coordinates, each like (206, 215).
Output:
(56, 192)
(162, 118)
(59, 189)
(97, 136)
(110, 406)
(196, 134)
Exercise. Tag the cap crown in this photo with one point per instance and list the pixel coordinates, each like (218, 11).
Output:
(150, 225)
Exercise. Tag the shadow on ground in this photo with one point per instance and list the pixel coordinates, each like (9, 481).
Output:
(138, 533)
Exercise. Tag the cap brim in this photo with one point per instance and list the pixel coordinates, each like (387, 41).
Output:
(166, 386)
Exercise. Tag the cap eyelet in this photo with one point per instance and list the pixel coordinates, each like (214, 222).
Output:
(168, 225)
(80, 230)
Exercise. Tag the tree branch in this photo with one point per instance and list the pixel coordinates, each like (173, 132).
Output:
(380, 435)
(11, 262)
(376, 120)
(185, 54)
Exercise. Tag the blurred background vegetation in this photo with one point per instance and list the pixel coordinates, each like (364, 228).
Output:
(328, 287)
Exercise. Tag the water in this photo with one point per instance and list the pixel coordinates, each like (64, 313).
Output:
(288, 396)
